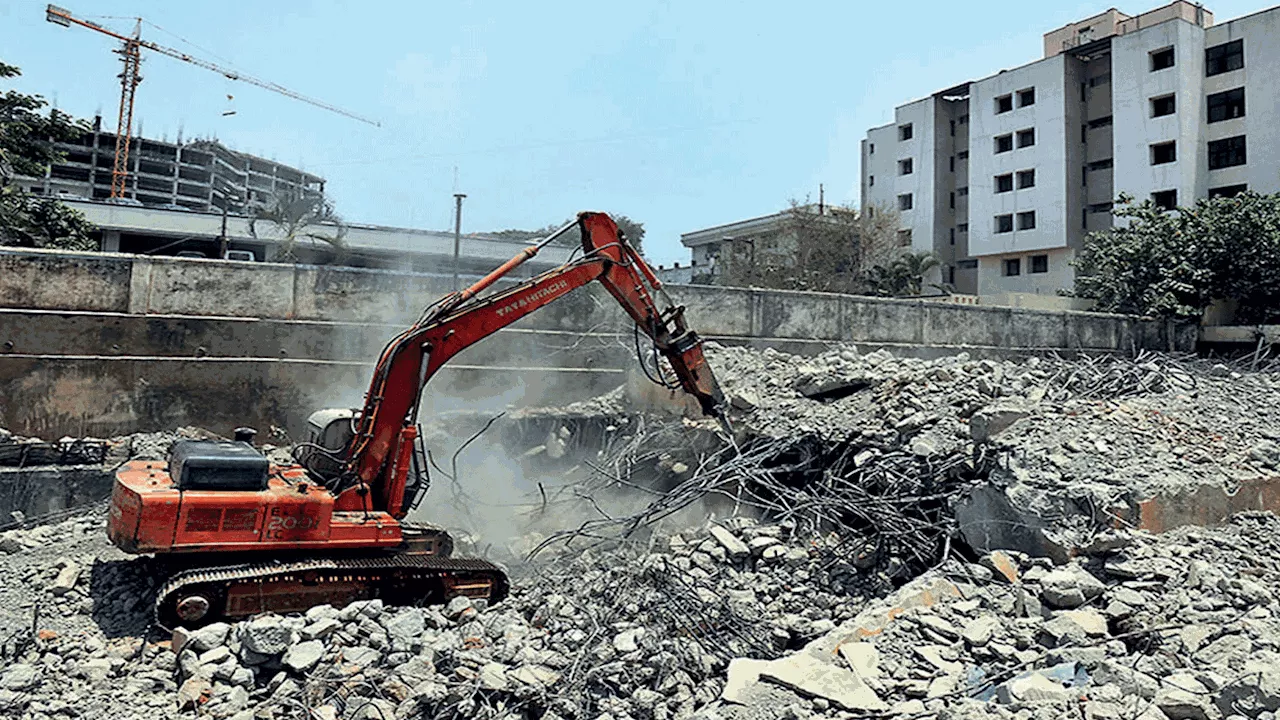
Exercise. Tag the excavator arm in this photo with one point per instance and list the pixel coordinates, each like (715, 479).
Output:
(377, 456)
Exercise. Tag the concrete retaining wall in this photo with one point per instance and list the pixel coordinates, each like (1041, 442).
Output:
(100, 343)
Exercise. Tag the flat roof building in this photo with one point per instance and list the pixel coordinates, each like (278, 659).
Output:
(1004, 177)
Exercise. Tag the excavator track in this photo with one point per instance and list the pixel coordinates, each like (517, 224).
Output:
(199, 596)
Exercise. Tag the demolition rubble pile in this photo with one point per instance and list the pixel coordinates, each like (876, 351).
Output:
(731, 620)
(845, 569)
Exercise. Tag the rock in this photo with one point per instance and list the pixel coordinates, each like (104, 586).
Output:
(405, 627)
(1091, 621)
(536, 675)
(493, 676)
(1182, 705)
(863, 659)
(319, 629)
(812, 677)
(206, 638)
(19, 676)
(266, 635)
(757, 545)
(361, 656)
(303, 656)
(627, 641)
(1033, 688)
(744, 399)
(979, 631)
(1004, 566)
(732, 545)
(66, 579)
(993, 420)
(458, 607)
(193, 693)
(743, 674)
(1069, 587)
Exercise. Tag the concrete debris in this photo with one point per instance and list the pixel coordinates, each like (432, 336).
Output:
(1040, 600)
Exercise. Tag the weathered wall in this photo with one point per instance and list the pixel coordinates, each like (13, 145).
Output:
(102, 344)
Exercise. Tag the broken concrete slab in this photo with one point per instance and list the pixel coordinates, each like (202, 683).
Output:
(815, 678)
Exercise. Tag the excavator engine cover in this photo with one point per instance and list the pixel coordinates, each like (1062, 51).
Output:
(217, 465)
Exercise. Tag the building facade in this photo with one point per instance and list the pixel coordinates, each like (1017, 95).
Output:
(1004, 177)
(201, 175)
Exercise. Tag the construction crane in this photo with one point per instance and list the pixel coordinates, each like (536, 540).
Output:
(130, 53)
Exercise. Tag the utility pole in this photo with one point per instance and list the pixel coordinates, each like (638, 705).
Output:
(457, 237)
(222, 244)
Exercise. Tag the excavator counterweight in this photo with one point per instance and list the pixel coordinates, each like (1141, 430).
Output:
(242, 536)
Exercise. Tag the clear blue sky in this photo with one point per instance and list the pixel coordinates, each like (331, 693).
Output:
(679, 114)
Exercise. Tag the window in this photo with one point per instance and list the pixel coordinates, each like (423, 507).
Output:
(951, 275)
(1165, 152)
(905, 132)
(1027, 220)
(1012, 266)
(1161, 106)
(953, 163)
(1161, 59)
(1004, 104)
(1224, 58)
(1165, 199)
(1100, 207)
(1039, 264)
(961, 192)
(1101, 164)
(904, 238)
(906, 167)
(1227, 152)
(1226, 105)
(963, 119)
(872, 149)
(1100, 122)
(962, 155)
(962, 227)
(967, 264)
(1004, 143)
(953, 236)
(1102, 79)
(871, 180)
(953, 201)
(1026, 179)
(1026, 138)
(1026, 97)
(1004, 223)
(1004, 183)
(953, 128)
(905, 202)
(1227, 191)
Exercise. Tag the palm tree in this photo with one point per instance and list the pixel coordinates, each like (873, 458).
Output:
(298, 216)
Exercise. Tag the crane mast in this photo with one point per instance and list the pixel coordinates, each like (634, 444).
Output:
(130, 52)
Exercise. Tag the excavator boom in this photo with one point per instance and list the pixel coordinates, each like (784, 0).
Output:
(243, 536)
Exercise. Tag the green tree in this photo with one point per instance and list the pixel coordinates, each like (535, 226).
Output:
(293, 217)
(633, 231)
(27, 147)
(828, 249)
(1175, 263)
(903, 276)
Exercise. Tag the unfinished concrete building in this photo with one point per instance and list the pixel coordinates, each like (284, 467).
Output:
(202, 175)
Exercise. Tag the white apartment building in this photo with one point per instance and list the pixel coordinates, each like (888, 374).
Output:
(1003, 177)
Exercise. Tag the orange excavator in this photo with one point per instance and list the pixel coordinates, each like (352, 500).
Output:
(240, 535)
